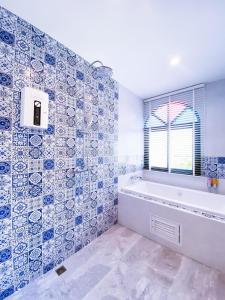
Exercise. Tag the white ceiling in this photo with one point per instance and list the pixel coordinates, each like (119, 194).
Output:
(137, 38)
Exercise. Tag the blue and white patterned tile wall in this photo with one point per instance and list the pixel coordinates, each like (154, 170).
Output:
(58, 187)
(213, 167)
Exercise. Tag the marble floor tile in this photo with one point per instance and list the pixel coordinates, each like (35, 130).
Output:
(122, 265)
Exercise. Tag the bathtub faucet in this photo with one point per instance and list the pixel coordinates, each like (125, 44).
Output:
(135, 178)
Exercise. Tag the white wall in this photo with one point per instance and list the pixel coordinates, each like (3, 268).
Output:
(130, 139)
(215, 119)
(130, 142)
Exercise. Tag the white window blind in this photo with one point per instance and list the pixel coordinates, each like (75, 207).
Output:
(174, 131)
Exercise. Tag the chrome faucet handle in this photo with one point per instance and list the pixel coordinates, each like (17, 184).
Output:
(135, 178)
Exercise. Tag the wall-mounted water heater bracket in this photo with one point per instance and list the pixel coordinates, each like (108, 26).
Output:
(34, 108)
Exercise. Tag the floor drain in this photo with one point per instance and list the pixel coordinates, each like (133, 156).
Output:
(60, 270)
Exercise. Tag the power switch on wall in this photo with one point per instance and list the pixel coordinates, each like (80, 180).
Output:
(34, 108)
(37, 113)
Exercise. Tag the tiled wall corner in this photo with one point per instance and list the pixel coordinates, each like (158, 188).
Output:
(58, 187)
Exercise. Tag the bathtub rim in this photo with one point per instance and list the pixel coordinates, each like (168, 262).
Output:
(174, 186)
(195, 209)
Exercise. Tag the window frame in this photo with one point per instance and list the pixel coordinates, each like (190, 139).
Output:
(196, 153)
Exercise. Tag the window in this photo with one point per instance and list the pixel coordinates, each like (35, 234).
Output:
(173, 132)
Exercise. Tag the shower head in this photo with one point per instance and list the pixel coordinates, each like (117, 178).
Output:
(101, 71)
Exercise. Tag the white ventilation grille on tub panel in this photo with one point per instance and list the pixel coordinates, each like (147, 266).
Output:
(165, 229)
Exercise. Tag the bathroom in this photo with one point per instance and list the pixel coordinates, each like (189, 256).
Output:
(112, 150)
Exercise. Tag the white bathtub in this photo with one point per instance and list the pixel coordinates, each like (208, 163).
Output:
(209, 204)
(199, 217)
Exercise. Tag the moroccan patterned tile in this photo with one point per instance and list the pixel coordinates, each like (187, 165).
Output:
(49, 179)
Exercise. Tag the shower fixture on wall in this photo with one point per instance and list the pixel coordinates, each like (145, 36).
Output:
(101, 71)
(88, 118)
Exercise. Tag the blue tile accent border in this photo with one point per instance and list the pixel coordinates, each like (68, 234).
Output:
(211, 166)
(124, 169)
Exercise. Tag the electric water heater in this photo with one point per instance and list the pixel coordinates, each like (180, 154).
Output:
(34, 108)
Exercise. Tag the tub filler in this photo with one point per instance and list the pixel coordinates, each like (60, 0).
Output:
(188, 221)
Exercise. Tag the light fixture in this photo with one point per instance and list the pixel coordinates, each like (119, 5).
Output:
(175, 61)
